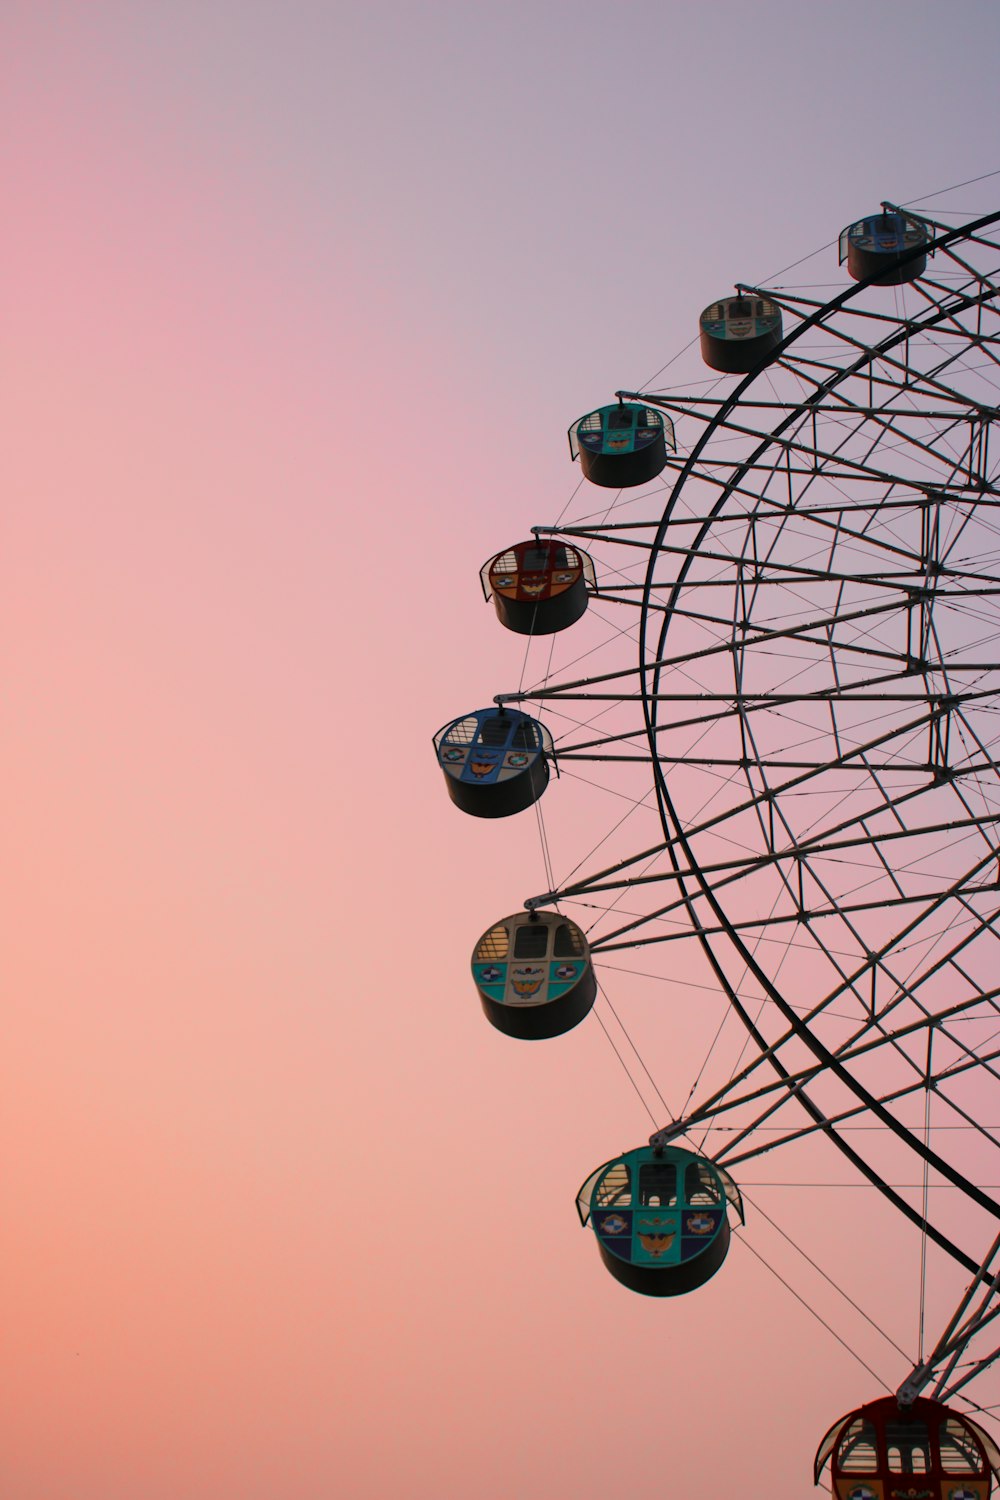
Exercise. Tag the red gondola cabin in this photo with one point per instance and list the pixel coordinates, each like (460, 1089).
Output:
(924, 1451)
(539, 587)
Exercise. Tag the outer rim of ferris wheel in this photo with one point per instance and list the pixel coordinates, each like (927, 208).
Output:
(699, 892)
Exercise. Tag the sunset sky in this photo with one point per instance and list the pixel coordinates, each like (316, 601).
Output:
(299, 301)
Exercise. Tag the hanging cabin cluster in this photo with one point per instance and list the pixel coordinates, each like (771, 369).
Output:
(660, 1213)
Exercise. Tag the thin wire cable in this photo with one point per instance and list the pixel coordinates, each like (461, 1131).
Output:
(842, 1342)
(543, 838)
(819, 1270)
(628, 1075)
(801, 261)
(642, 1062)
(954, 188)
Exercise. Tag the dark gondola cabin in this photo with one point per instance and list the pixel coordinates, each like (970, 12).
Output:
(539, 587)
(534, 975)
(924, 1451)
(660, 1217)
(738, 332)
(621, 445)
(884, 246)
(495, 761)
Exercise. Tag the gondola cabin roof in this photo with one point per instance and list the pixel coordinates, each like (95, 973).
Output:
(884, 1449)
(622, 444)
(660, 1217)
(495, 760)
(539, 586)
(533, 974)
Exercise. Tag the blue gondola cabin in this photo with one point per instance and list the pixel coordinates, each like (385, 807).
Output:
(737, 333)
(622, 445)
(539, 587)
(533, 975)
(923, 1451)
(885, 247)
(495, 761)
(660, 1216)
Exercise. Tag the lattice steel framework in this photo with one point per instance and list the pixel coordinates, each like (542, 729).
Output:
(818, 698)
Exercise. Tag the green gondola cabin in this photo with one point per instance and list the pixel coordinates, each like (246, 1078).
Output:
(621, 445)
(660, 1216)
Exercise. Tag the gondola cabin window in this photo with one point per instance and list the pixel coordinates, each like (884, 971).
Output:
(531, 940)
(700, 1186)
(615, 1189)
(858, 1453)
(959, 1452)
(658, 1184)
(908, 1447)
(568, 941)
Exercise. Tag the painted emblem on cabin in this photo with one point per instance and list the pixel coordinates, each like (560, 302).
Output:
(659, 1235)
(452, 754)
(961, 1493)
(518, 759)
(565, 971)
(912, 1494)
(613, 1224)
(489, 974)
(505, 582)
(527, 981)
(564, 578)
(536, 586)
(699, 1224)
(615, 444)
(861, 1492)
(482, 767)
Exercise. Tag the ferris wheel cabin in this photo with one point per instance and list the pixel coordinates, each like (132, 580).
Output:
(533, 975)
(884, 1450)
(495, 761)
(660, 1217)
(621, 445)
(737, 333)
(884, 245)
(540, 586)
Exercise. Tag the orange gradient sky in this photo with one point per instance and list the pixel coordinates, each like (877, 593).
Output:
(299, 301)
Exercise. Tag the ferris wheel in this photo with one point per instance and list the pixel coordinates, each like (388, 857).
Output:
(807, 551)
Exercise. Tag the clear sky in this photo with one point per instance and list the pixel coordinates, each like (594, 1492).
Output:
(298, 303)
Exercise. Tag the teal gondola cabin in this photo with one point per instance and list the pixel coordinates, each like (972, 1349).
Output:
(660, 1215)
(621, 445)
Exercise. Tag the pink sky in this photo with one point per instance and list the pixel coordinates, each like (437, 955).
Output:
(299, 302)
